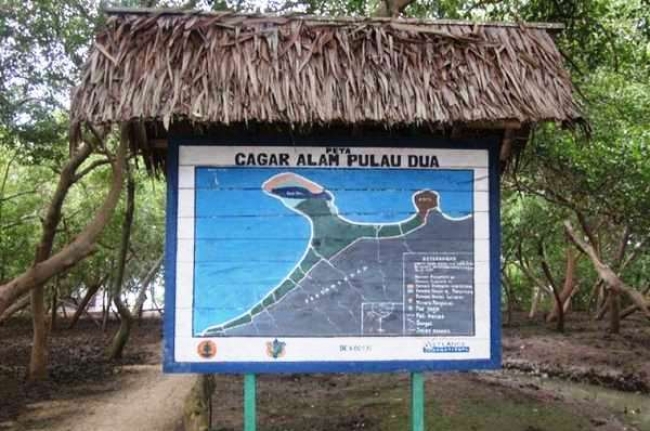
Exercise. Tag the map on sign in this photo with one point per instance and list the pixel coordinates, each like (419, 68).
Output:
(336, 259)
(388, 262)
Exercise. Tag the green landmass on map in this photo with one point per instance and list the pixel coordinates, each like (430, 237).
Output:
(330, 232)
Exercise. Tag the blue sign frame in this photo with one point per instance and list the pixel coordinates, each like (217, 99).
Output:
(490, 143)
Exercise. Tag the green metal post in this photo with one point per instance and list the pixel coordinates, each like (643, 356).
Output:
(250, 420)
(417, 402)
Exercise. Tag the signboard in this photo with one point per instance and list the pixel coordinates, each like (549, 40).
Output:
(316, 259)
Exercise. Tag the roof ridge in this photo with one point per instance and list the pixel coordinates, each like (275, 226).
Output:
(553, 27)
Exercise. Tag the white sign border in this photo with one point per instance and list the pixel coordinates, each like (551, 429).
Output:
(329, 349)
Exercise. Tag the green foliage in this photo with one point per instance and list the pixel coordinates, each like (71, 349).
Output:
(605, 178)
(611, 33)
(44, 43)
(609, 175)
(20, 203)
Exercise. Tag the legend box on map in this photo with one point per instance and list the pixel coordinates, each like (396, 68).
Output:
(439, 294)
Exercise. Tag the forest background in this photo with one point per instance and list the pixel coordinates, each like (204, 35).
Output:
(575, 202)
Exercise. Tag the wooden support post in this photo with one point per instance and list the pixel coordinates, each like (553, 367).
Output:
(417, 402)
(250, 389)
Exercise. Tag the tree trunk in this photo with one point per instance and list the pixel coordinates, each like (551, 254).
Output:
(604, 308)
(507, 288)
(55, 306)
(559, 305)
(594, 293)
(146, 281)
(38, 358)
(615, 313)
(601, 299)
(615, 297)
(569, 284)
(83, 245)
(106, 309)
(634, 308)
(120, 338)
(3, 185)
(38, 361)
(534, 303)
(20, 304)
(122, 335)
(560, 314)
(92, 290)
(152, 292)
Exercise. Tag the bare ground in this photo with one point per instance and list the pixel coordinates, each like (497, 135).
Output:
(602, 385)
(586, 352)
(455, 402)
(86, 392)
(143, 399)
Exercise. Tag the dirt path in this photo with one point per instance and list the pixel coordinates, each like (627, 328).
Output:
(143, 399)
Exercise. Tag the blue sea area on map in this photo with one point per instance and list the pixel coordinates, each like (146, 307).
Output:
(247, 242)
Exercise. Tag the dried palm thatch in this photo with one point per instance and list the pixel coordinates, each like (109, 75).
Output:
(223, 68)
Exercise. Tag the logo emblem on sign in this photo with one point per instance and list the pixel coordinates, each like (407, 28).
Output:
(445, 347)
(275, 349)
(206, 349)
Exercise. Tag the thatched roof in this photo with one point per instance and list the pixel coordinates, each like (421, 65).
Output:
(224, 68)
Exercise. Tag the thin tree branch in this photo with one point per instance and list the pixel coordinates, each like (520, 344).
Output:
(17, 195)
(605, 272)
(94, 165)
